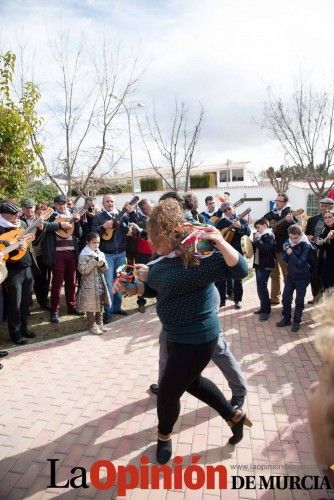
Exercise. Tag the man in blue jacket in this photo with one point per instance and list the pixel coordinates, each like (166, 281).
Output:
(112, 226)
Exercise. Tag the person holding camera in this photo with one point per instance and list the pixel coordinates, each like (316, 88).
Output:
(93, 291)
(86, 220)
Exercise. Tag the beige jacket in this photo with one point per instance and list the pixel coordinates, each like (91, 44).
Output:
(89, 298)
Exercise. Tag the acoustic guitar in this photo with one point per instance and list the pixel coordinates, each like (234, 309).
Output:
(215, 218)
(109, 233)
(14, 235)
(275, 223)
(7, 249)
(229, 232)
(66, 233)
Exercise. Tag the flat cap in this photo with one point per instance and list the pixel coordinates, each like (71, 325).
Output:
(60, 198)
(7, 207)
(327, 201)
(28, 203)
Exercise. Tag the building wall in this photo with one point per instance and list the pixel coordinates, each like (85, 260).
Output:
(297, 196)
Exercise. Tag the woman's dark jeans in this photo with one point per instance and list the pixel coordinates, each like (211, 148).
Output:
(183, 370)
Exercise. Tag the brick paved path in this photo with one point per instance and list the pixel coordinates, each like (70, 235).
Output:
(85, 398)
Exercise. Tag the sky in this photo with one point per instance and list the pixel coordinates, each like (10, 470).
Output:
(222, 54)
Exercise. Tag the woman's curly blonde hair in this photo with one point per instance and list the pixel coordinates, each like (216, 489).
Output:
(166, 216)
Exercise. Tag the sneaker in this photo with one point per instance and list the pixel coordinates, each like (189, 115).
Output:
(263, 317)
(95, 330)
(238, 305)
(295, 327)
(54, 317)
(75, 312)
(283, 322)
(154, 388)
(121, 312)
(237, 401)
(103, 328)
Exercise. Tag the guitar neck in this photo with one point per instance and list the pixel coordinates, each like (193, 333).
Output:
(10, 248)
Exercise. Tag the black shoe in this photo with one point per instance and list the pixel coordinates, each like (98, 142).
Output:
(45, 307)
(75, 312)
(237, 429)
(222, 304)
(141, 308)
(1, 366)
(54, 317)
(283, 322)
(20, 341)
(164, 451)
(238, 305)
(264, 317)
(121, 312)
(257, 312)
(154, 388)
(295, 327)
(28, 334)
(3, 354)
(237, 401)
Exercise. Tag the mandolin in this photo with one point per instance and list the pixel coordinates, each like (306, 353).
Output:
(275, 223)
(229, 232)
(7, 249)
(66, 233)
(109, 233)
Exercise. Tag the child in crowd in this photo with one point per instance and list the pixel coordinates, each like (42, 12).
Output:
(93, 291)
(300, 256)
(264, 262)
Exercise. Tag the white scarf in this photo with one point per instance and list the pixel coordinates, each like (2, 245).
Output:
(266, 231)
(5, 223)
(279, 212)
(113, 212)
(87, 251)
(67, 213)
(303, 239)
(210, 214)
(171, 255)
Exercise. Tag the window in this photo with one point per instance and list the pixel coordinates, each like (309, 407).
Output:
(237, 174)
(224, 176)
(312, 205)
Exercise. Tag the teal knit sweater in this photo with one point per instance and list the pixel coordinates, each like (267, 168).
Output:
(185, 303)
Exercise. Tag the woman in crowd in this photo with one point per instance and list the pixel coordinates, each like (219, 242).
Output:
(321, 404)
(183, 285)
(325, 242)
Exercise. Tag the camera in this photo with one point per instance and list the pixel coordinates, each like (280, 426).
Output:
(90, 209)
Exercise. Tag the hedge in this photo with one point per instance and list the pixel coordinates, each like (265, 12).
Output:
(200, 181)
(151, 184)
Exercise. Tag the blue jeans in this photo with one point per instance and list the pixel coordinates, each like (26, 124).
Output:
(262, 277)
(114, 261)
(289, 287)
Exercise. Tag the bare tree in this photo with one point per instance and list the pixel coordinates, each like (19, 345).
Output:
(304, 128)
(176, 148)
(91, 91)
(280, 179)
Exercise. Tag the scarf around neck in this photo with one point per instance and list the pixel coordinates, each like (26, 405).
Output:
(5, 223)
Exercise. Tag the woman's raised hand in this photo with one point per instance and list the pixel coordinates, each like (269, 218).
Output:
(141, 272)
(210, 233)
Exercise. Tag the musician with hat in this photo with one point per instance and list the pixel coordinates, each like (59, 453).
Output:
(60, 253)
(19, 283)
(237, 227)
(281, 217)
(314, 226)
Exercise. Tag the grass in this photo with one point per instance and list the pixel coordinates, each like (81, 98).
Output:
(39, 321)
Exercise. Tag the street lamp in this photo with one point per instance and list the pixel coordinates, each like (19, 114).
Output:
(128, 114)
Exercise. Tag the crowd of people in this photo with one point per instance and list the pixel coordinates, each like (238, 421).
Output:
(91, 251)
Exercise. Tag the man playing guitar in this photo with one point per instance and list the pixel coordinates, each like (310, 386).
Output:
(114, 247)
(19, 283)
(281, 214)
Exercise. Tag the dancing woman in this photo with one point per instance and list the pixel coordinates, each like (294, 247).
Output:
(183, 285)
